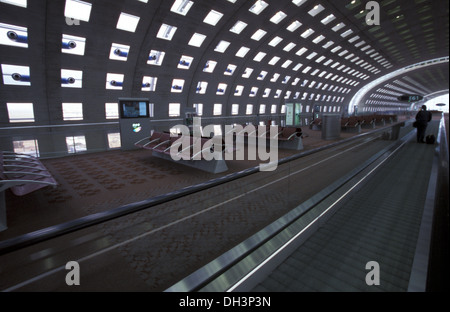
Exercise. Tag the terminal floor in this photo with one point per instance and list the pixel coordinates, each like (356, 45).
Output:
(92, 183)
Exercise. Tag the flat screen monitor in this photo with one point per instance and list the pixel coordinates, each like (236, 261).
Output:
(137, 108)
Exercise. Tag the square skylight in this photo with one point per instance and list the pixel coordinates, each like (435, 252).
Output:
(289, 47)
(286, 64)
(298, 2)
(328, 19)
(274, 60)
(181, 6)
(197, 40)
(259, 56)
(16, 75)
(258, 7)
(338, 27)
(278, 17)
(258, 34)
(21, 3)
(242, 52)
(307, 33)
(166, 32)
(316, 10)
(318, 39)
(127, 22)
(301, 51)
(213, 18)
(73, 44)
(238, 27)
(294, 26)
(156, 57)
(222, 46)
(275, 41)
(119, 52)
(12, 35)
(78, 10)
(71, 78)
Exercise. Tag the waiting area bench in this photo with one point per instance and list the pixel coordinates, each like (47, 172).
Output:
(22, 174)
(286, 137)
(187, 150)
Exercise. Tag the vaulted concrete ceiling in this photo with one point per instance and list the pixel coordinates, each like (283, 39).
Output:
(315, 52)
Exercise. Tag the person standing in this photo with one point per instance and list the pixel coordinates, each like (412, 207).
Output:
(423, 117)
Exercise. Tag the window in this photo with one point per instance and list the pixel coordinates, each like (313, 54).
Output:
(293, 26)
(221, 88)
(259, 57)
(259, 34)
(247, 73)
(198, 109)
(242, 52)
(177, 85)
(307, 33)
(76, 144)
(235, 109)
(278, 17)
(114, 81)
(274, 60)
(213, 18)
(174, 109)
(258, 7)
(127, 22)
(275, 41)
(249, 109)
(155, 57)
(316, 10)
(12, 35)
(262, 109)
(73, 44)
(112, 111)
(149, 83)
(185, 62)
(217, 110)
(166, 32)
(78, 10)
(72, 111)
(239, 90)
(253, 92)
(20, 112)
(181, 7)
(28, 147)
(289, 47)
(210, 66)
(114, 140)
(16, 75)
(222, 46)
(197, 40)
(21, 3)
(119, 52)
(230, 70)
(71, 78)
(273, 109)
(238, 27)
(201, 87)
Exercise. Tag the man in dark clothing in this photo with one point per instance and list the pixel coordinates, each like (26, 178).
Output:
(423, 117)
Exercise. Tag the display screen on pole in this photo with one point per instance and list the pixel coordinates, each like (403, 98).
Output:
(133, 108)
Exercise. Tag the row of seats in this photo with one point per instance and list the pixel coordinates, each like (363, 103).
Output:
(164, 142)
(366, 120)
(23, 173)
(282, 133)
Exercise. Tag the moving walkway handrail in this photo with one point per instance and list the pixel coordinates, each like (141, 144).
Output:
(28, 239)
